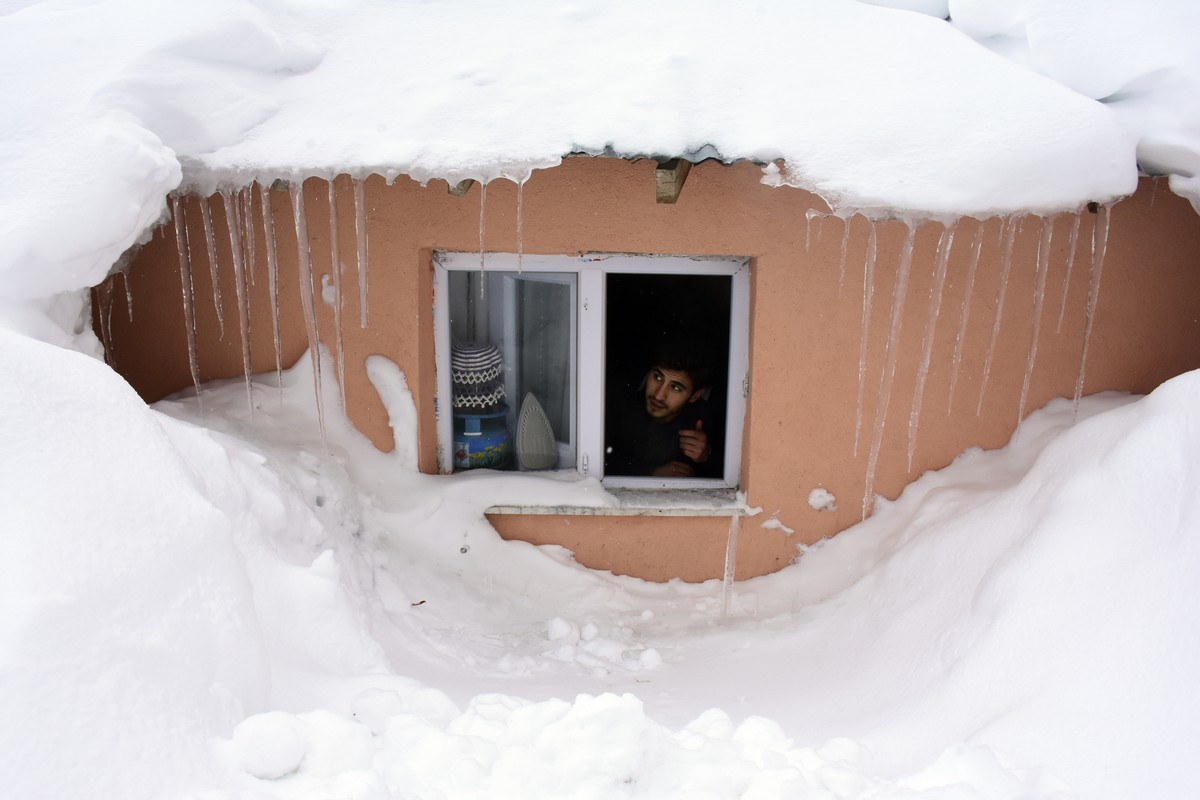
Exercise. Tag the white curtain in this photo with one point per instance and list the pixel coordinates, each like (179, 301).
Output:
(531, 318)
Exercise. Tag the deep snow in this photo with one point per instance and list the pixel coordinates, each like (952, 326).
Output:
(194, 605)
(1018, 622)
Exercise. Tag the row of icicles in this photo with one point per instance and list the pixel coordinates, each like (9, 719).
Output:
(1009, 228)
(243, 239)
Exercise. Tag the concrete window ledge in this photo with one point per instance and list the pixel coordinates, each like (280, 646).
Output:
(643, 503)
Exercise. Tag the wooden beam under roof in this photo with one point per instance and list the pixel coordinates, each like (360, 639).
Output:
(669, 178)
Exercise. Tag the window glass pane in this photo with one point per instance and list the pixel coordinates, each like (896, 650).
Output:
(512, 335)
(666, 375)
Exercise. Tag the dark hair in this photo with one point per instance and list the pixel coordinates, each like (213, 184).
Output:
(692, 357)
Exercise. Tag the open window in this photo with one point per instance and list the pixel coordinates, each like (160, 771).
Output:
(545, 366)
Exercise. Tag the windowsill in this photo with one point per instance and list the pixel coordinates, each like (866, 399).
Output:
(646, 503)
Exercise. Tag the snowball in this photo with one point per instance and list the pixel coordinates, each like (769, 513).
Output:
(270, 745)
(559, 629)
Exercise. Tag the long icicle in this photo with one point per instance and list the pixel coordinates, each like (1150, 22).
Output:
(1099, 248)
(842, 260)
(965, 312)
(520, 225)
(210, 240)
(1039, 296)
(360, 239)
(246, 195)
(104, 293)
(1074, 240)
(335, 266)
(482, 219)
(233, 223)
(889, 368)
(735, 523)
(868, 295)
(945, 244)
(128, 292)
(304, 260)
(268, 218)
(1006, 267)
(189, 291)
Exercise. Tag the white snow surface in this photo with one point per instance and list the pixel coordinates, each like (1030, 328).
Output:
(197, 604)
(244, 612)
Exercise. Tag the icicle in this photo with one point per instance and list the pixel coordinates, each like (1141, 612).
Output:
(360, 237)
(1006, 267)
(935, 304)
(233, 223)
(335, 266)
(210, 240)
(1039, 294)
(868, 294)
(520, 221)
(1074, 240)
(889, 368)
(842, 261)
(128, 293)
(1099, 248)
(1154, 189)
(272, 279)
(189, 291)
(482, 207)
(110, 353)
(304, 260)
(246, 195)
(730, 564)
(976, 248)
(104, 293)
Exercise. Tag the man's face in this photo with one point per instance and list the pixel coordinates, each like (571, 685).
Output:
(667, 392)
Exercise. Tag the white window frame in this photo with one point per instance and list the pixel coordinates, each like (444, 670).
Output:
(590, 339)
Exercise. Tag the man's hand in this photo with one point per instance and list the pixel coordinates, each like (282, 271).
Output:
(694, 443)
(675, 469)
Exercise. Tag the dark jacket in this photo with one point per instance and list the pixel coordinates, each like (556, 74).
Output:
(636, 444)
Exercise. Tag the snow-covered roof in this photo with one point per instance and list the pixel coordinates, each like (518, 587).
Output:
(834, 89)
(1035, 106)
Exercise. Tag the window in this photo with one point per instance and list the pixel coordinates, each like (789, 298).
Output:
(541, 360)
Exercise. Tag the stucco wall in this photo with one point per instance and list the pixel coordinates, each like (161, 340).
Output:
(805, 328)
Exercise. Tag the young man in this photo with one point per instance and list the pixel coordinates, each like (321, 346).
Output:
(666, 428)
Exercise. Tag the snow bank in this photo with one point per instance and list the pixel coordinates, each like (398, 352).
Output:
(128, 625)
(593, 747)
(337, 623)
(1035, 599)
(101, 102)
(988, 633)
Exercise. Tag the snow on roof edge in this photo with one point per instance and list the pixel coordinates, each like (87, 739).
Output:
(201, 179)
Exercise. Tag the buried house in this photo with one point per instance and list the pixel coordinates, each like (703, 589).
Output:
(153, 581)
(851, 354)
(992, 246)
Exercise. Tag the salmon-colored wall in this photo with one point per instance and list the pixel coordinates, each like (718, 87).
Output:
(805, 329)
